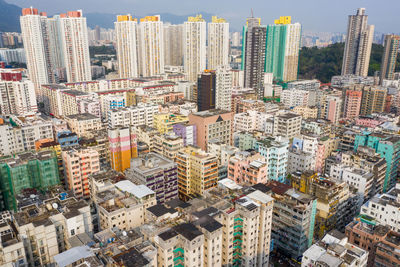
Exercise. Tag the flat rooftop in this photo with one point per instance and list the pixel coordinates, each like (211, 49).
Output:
(74, 92)
(210, 113)
(83, 117)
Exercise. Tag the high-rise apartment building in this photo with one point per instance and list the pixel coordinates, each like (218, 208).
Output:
(84, 125)
(17, 97)
(379, 240)
(212, 124)
(123, 147)
(141, 114)
(223, 88)
(173, 45)
(36, 45)
(373, 99)
(352, 103)
(26, 170)
(388, 147)
(246, 167)
(295, 97)
(324, 252)
(336, 204)
(167, 145)
(19, 134)
(194, 47)
(282, 49)
(382, 208)
(74, 36)
(331, 107)
(235, 39)
(287, 125)
(157, 173)
(126, 46)
(126, 205)
(218, 43)
(151, 46)
(358, 45)
(275, 153)
(56, 48)
(197, 172)
(48, 227)
(293, 219)
(391, 49)
(253, 55)
(206, 90)
(164, 122)
(78, 165)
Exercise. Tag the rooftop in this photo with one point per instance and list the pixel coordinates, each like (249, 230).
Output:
(288, 115)
(150, 162)
(73, 92)
(210, 113)
(83, 117)
(160, 210)
(138, 191)
(188, 230)
(73, 255)
(130, 258)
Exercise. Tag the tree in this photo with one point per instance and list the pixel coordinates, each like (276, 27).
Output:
(323, 63)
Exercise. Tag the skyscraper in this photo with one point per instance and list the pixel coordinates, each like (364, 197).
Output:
(97, 33)
(235, 39)
(358, 45)
(36, 45)
(151, 46)
(173, 45)
(206, 90)
(56, 48)
(391, 48)
(223, 88)
(76, 46)
(218, 43)
(282, 49)
(253, 54)
(194, 47)
(126, 45)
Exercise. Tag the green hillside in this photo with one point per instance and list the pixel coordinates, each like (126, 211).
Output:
(323, 63)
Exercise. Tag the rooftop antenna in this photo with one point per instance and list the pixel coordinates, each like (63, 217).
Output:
(252, 15)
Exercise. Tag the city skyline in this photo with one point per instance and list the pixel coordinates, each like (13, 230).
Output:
(383, 16)
(181, 144)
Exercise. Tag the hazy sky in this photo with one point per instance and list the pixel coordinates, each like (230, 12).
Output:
(315, 15)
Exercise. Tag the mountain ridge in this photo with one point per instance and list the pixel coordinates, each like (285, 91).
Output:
(10, 13)
(9, 17)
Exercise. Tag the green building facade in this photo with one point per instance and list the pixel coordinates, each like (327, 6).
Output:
(27, 170)
(275, 50)
(388, 147)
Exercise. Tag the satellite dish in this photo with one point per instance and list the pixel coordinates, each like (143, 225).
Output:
(55, 205)
(124, 233)
(32, 196)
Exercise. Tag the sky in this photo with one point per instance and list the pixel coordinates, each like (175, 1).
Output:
(314, 15)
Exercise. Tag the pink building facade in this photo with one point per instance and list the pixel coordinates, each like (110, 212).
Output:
(212, 124)
(352, 104)
(78, 165)
(246, 168)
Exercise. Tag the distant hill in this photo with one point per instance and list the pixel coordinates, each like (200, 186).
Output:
(9, 17)
(106, 20)
(323, 63)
